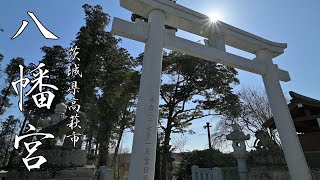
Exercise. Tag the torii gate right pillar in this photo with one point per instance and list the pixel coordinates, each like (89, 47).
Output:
(293, 152)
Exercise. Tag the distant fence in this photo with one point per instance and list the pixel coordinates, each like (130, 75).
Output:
(228, 173)
(3, 174)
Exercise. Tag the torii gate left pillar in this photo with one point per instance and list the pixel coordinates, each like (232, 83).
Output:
(142, 163)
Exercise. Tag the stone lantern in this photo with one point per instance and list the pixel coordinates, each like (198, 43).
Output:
(57, 117)
(239, 150)
(59, 114)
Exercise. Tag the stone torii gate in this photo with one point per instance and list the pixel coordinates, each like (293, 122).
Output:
(217, 35)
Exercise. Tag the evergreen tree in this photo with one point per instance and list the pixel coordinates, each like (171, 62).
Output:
(8, 129)
(192, 89)
(106, 69)
(1, 58)
(56, 62)
(11, 74)
(127, 102)
(136, 16)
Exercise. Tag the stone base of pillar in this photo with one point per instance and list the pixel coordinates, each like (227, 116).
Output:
(76, 173)
(103, 173)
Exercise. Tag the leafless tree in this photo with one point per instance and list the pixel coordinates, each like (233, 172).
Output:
(180, 142)
(254, 112)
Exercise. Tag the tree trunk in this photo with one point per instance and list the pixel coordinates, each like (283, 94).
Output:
(122, 127)
(166, 152)
(115, 163)
(97, 146)
(158, 162)
(89, 145)
(23, 125)
(14, 152)
(7, 153)
(104, 149)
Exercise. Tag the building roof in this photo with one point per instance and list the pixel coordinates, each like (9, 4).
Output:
(304, 111)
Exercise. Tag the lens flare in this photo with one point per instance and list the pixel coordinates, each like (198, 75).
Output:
(214, 17)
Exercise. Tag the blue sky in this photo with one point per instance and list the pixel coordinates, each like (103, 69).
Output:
(289, 21)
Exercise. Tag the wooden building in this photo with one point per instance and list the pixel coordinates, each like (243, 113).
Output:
(305, 112)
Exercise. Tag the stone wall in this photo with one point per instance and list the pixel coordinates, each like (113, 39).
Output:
(255, 173)
(263, 173)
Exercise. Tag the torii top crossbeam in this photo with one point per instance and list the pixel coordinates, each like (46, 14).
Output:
(194, 22)
(197, 23)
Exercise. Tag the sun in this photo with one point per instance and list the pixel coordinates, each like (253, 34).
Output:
(214, 17)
